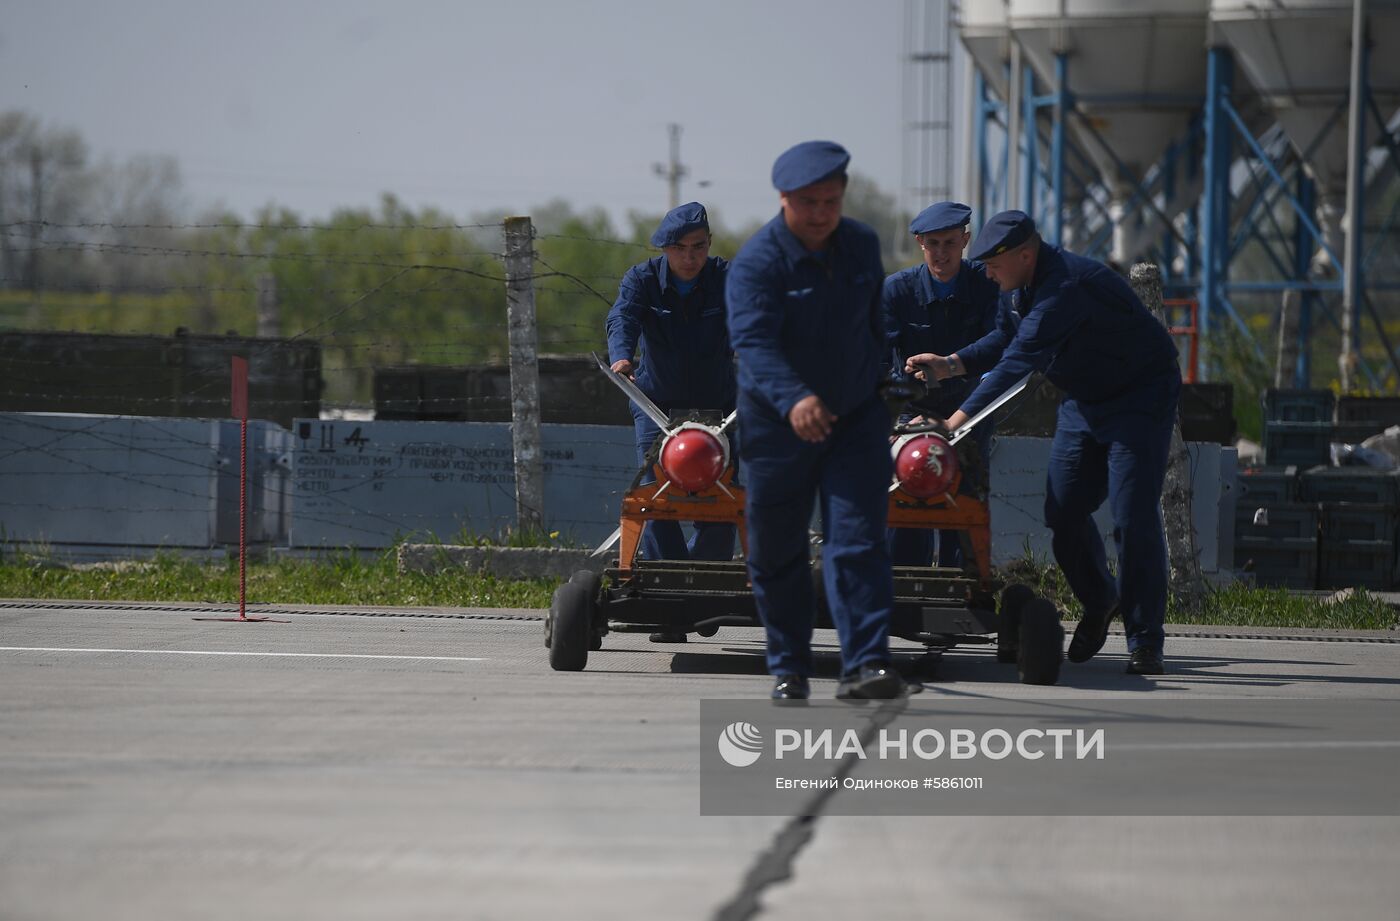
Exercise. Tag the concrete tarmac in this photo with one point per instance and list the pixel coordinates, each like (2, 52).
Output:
(390, 763)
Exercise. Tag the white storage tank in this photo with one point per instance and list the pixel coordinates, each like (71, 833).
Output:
(1137, 73)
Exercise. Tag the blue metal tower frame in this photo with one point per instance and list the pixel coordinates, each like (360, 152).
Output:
(1212, 235)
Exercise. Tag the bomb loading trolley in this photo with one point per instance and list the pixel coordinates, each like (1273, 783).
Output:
(696, 481)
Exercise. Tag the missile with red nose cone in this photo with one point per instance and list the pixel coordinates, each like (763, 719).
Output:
(925, 465)
(694, 455)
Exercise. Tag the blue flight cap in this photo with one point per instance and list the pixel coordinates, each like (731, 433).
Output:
(1006, 230)
(943, 216)
(809, 162)
(680, 221)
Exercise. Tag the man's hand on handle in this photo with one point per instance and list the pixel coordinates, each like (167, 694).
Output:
(926, 365)
(624, 367)
(810, 419)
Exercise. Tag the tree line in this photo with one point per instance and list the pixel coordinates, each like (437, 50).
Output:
(106, 246)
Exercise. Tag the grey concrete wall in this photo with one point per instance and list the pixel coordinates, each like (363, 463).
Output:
(1018, 499)
(144, 482)
(359, 482)
(371, 483)
(69, 479)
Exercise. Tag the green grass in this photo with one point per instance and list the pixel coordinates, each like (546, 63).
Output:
(1245, 606)
(522, 538)
(340, 579)
(1234, 605)
(346, 579)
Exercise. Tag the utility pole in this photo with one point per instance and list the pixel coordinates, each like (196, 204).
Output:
(36, 229)
(269, 321)
(674, 171)
(524, 374)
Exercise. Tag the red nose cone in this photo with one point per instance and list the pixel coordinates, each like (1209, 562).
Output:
(926, 466)
(693, 459)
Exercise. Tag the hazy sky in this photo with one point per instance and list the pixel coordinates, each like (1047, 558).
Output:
(469, 106)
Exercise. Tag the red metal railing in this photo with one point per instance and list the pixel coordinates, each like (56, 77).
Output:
(1190, 329)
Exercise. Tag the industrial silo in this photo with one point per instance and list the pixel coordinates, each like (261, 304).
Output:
(1297, 54)
(984, 32)
(1135, 73)
(983, 28)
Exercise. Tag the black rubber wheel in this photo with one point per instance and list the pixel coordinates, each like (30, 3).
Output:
(590, 580)
(592, 583)
(1042, 643)
(571, 613)
(706, 631)
(1013, 599)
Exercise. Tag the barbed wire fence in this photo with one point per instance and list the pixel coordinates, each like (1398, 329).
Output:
(349, 304)
(328, 315)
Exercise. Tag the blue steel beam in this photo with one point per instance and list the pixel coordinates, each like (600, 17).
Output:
(1277, 191)
(1302, 215)
(1230, 311)
(1031, 140)
(1243, 131)
(1142, 189)
(1265, 195)
(1302, 262)
(1216, 200)
(1248, 228)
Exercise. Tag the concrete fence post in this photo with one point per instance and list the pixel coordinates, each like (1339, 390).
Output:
(1187, 583)
(524, 374)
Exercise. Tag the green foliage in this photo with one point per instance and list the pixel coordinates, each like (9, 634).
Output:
(376, 289)
(580, 260)
(1044, 578)
(867, 202)
(1235, 361)
(105, 311)
(1230, 605)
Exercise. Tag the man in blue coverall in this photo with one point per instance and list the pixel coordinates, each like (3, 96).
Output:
(803, 299)
(932, 309)
(674, 305)
(1080, 323)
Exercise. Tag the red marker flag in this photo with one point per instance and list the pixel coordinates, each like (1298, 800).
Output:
(239, 396)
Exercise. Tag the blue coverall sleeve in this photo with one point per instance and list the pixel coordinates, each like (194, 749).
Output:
(1052, 320)
(755, 308)
(625, 319)
(890, 293)
(981, 356)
